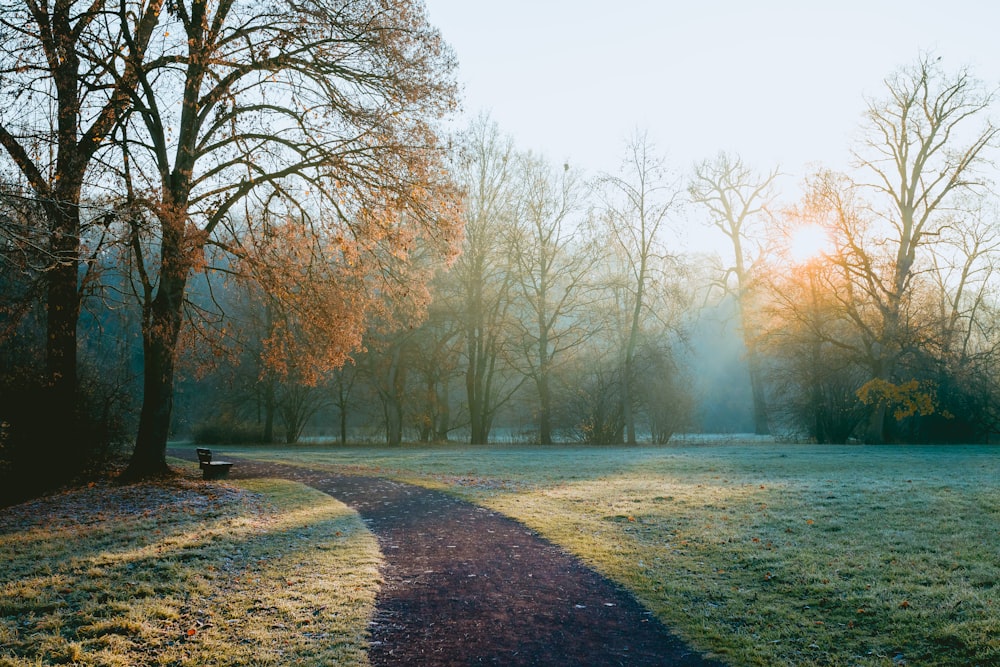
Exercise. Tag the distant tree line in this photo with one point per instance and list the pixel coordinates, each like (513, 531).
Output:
(570, 311)
(557, 321)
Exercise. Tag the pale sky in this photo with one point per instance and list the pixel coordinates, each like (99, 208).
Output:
(779, 82)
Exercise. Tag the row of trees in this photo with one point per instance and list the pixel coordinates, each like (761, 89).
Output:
(570, 304)
(557, 316)
(265, 187)
(569, 311)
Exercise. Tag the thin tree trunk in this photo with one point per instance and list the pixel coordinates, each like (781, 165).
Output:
(343, 425)
(627, 412)
(443, 416)
(629, 372)
(542, 377)
(545, 409)
(270, 407)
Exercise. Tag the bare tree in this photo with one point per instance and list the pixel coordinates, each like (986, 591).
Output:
(962, 342)
(634, 215)
(964, 274)
(551, 266)
(480, 285)
(925, 142)
(736, 197)
(826, 323)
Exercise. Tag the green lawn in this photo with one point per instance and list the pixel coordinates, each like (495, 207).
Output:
(186, 573)
(766, 555)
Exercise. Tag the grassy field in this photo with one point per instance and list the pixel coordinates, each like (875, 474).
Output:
(186, 573)
(765, 555)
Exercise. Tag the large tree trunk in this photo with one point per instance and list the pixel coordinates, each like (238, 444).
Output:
(628, 379)
(542, 382)
(160, 333)
(761, 424)
(393, 421)
(628, 413)
(477, 387)
(882, 369)
(757, 391)
(62, 314)
(875, 432)
(393, 396)
(476, 434)
(63, 305)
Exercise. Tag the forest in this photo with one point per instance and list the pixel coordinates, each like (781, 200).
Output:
(232, 223)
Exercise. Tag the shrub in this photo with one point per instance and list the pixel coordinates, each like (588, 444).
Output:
(42, 449)
(227, 430)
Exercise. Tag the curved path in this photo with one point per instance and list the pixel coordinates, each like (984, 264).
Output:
(467, 586)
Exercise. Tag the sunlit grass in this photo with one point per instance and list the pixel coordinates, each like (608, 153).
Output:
(265, 572)
(765, 555)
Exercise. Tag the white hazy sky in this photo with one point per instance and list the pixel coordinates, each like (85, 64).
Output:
(780, 82)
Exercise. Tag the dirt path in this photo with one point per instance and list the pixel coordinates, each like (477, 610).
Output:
(467, 586)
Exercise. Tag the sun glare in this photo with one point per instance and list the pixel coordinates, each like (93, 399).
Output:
(808, 242)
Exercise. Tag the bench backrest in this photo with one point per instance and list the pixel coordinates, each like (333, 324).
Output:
(204, 455)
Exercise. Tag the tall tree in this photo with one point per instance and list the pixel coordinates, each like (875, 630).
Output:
(325, 112)
(551, 264)
(634, 215)
(925, 141)
(66, 72)
(736, 197)
(480, 285)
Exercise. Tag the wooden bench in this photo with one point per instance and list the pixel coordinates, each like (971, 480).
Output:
(212, 469)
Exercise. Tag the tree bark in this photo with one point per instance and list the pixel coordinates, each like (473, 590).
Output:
(628, 379)
(761, 423)
(545, 409)
(270, 407)
(160, 332)
(62, 314)
(442, 421)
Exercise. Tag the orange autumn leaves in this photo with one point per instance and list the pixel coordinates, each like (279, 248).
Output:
(321, 281)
